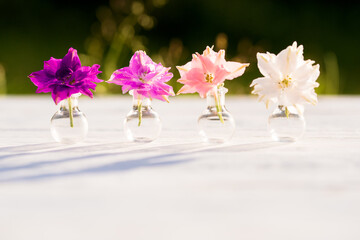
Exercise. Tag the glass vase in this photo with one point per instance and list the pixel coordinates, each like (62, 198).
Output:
(69, 125)
(286, 124)
(216, 124)
(142, 124)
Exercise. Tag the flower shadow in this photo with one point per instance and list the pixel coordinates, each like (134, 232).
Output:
(29, 147)
(246, 147)
(120, 149)
(117, 166)
(171, 154)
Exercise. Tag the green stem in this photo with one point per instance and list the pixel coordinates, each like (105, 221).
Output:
(218, 106)
(287, 113)
(140, 111)
(71, 113)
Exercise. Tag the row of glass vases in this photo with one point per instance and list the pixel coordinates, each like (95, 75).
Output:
(215, 124)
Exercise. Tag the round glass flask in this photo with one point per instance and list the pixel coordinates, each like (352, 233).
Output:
(216, 124)
(142, 124)
(69, 125)
(286, 124)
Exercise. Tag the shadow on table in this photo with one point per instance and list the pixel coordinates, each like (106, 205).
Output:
(246, 147)
(24, 150)
(119, 166)
(29, 147)
(44, 148)
(171, 154)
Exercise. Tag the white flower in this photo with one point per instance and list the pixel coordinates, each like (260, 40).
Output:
(288, 79)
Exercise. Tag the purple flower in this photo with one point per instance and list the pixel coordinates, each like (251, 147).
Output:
(145, 77)
(64, 77)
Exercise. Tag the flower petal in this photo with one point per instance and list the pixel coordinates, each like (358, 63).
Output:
(266, 88)
(207, 65)
(120, 75)
(42, 78)
(60, 93)
(236, 69)
(306, 73)
(71, 60)
(184, 69)
(186, 89)
(289, 59)
(220, 76)
(51, 66)
(267, 65)
(195, 75)
(141, 63)
(87, 92)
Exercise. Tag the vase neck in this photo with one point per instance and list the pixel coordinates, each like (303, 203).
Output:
(141, 101)
(64, 104)
(289, 109)
(216, 94)
(280, 108)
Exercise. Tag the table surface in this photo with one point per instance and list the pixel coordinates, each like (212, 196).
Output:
(177, 187)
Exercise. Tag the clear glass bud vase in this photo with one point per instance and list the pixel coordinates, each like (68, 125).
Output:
(286, 124)
(142, 124)
(69, 125)
(216, 124)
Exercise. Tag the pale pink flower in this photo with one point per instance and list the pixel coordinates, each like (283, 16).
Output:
(207, 71)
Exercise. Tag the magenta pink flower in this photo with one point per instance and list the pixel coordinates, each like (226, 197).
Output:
(64, 77)
(145, 77)
(204, 72)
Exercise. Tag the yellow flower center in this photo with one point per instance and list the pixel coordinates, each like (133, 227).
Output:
(209, 77)
(286, 82)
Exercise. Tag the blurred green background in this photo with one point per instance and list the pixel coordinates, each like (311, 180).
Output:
(108, 32)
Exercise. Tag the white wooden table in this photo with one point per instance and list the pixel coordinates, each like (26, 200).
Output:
(177, 187)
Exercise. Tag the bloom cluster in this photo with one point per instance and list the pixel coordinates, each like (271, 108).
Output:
(145, 77)
(206, 71)
(288, 79)
(64, 77)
